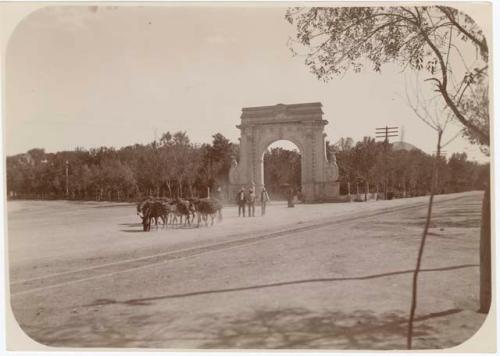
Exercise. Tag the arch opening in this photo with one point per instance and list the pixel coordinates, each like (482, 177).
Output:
(282, 168)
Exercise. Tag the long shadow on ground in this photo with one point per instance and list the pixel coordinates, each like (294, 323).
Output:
(278, 328)
(149, 300)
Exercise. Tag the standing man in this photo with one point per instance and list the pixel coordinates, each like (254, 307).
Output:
(291, 194)
(240, 200)
(251, 203)
(264, 198)
(218, 193)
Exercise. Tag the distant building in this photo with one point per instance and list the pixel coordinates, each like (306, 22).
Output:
(400, 146)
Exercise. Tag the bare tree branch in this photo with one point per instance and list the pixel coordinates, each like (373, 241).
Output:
(480, 43)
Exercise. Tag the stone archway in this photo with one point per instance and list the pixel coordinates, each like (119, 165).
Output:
(303, 125)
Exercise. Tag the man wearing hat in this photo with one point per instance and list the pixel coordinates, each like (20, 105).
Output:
(251, 202)
(264, 198)
(240, 200)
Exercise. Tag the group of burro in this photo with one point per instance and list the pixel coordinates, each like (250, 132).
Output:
(178, 211)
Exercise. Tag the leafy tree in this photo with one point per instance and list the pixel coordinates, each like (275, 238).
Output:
(365, 157)
(344, 155)
(430, 38)
(436, 39)
(218, 158)
(37, 155)
(181, 139)
(459, 171)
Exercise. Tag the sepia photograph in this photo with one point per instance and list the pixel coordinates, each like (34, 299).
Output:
(249, 176)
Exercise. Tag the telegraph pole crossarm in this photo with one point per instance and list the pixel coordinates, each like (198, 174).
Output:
(385, 133)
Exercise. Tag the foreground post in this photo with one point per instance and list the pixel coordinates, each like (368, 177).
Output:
(422, 242)
(485, 255)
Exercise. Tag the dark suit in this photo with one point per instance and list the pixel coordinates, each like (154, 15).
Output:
(251, 203)
(240, 200)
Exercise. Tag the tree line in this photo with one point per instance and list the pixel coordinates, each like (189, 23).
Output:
(369, 165)
(176, 167)
(172, 167)
(406, 172)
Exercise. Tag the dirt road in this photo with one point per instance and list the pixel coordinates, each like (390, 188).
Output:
(328, 276)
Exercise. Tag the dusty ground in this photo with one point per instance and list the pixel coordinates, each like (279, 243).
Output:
(328, 276)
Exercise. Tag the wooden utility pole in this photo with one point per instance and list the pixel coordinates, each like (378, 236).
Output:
(385, 133)
(67, 178)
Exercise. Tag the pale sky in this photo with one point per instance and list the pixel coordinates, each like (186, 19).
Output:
(96, 76)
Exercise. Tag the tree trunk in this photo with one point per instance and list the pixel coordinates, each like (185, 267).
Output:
(169, 189)
(434, 181)
(485, 254)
